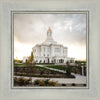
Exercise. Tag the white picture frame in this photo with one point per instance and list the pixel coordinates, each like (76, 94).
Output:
(7, 93)
(85, 12)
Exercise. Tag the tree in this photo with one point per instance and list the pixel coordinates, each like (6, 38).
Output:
(67, 62)
(68, 70)
(31, 58)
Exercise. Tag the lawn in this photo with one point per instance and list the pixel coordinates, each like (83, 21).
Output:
(29, 65)
(21, 65)
(60, 67)
(27, 69)
(16, 64)
(38, 67)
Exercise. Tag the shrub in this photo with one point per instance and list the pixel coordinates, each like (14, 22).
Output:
(63, 84)
(68, 70)
(41, 83)
(46, 82)
(21, 81)
(70, 76)
(36, 82)
(73, 84)
(52, 83)
(84, 84)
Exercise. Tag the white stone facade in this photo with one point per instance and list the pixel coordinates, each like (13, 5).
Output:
(50, 52)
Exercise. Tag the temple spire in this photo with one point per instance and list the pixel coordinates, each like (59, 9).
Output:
(49, 34)
(49, 39)
(49, 29)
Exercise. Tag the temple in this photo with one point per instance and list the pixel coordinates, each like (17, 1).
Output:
(50, 51)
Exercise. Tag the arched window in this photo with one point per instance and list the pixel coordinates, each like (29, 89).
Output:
(52, 61)
(44, 49)
(57, 49)
(48, 55)
(40, 61)
(61, 61)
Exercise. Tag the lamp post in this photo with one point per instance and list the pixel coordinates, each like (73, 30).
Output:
(82, 69)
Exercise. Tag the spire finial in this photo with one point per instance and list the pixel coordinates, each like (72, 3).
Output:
(49, 29)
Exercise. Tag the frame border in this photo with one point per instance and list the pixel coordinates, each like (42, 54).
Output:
(50, 12)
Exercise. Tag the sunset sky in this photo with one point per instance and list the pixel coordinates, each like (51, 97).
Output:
(67, 29)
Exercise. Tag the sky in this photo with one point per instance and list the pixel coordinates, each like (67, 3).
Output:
(67, 29)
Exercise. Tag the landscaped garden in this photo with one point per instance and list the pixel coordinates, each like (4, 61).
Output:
(27, 82)
(37, 71)
(44, 71)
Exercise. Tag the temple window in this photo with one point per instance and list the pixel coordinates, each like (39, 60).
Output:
(44, 49)
(57, 49)
(48, 55)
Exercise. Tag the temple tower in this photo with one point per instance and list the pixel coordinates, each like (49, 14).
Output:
(49, 34)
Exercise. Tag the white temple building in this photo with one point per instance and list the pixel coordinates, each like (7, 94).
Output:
(50, 51)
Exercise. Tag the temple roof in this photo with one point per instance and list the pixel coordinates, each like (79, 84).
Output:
(49, 40)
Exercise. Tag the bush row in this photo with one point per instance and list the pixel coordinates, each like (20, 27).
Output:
(46, 82)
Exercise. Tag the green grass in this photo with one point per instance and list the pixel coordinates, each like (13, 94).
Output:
(22, 65)
(38, 67)
(18, 64)
(28, 65)
(43, 68)
(56, 67)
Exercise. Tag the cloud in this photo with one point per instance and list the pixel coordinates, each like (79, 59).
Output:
(68, 29)
(28, 27)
